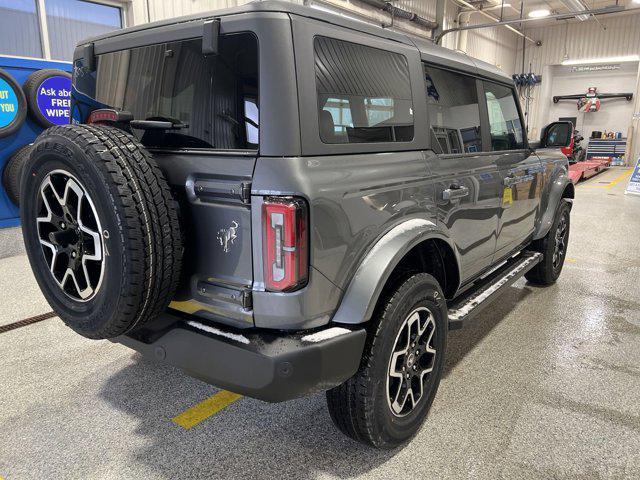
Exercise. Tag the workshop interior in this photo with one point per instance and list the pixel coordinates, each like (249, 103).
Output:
(319, 239)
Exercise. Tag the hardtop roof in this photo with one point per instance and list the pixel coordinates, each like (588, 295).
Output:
(428, 49)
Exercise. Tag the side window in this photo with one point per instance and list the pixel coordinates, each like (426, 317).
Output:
(454, 114)
(504, 120)
(364, 94)
(212, 101)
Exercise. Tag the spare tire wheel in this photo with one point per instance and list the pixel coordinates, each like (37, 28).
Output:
(48, 94)
(13, 171)
(101, 229)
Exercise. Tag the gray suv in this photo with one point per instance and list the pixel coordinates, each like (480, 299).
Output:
(281, 201)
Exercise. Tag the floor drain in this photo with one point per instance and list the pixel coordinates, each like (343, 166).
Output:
(26, 321)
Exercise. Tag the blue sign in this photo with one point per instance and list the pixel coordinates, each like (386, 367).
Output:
(634, 181)
(8, 104)
(54, 99)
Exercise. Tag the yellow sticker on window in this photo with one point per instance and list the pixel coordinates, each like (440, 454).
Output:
(507, 196)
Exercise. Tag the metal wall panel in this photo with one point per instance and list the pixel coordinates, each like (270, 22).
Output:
(581, 40)
(576, 40)
(497, 46)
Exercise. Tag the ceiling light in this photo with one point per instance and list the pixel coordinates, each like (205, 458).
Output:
(591, 61)
(543, 12)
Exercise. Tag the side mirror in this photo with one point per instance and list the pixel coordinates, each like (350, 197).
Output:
(556, 135)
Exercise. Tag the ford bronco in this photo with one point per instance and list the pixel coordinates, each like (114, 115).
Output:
(281, 201)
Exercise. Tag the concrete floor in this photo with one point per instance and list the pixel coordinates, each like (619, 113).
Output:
(546, 384)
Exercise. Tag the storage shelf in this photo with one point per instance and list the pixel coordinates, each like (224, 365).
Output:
(611, 147)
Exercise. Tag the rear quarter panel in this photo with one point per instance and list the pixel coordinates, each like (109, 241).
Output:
(353, 200)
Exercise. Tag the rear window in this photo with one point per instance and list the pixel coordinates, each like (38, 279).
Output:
(212, 101)
(364, 93)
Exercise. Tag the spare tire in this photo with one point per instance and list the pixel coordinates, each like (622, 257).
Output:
(13, 171)
(49, 91)
(101, 229)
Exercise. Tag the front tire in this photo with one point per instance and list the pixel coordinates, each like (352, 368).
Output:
(554, 248)
(386, 402)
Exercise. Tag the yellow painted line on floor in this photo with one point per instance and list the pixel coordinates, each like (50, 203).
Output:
(621, 177)
(613, 182)
(212, 405)
(570, 260)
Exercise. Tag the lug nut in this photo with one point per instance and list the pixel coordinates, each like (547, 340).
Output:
(73, 254)
(415, 367)
(63, 225)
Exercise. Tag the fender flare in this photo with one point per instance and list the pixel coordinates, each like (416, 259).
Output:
(362, 294)
(558, 184)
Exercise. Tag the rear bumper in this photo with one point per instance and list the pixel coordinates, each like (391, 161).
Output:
(270, 367)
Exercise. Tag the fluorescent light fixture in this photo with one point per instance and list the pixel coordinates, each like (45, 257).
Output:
(635, 1)
(591, 61)
(543, 12)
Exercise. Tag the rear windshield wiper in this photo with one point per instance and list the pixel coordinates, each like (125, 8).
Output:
(158, 123)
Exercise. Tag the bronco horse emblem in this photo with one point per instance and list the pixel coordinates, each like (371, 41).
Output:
(226, 236)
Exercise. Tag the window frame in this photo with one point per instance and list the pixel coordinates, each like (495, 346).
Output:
(525, 141)
(357, 110)
(185, 36)
(485, 131)
(482, 107)
(304, 32)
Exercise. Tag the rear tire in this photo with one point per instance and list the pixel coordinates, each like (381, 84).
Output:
(554, 248)
(374, 406)
(101, 229)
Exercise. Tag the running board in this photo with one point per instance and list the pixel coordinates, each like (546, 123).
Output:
(472, 302)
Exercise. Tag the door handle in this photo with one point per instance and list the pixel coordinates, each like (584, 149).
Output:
(455, 191)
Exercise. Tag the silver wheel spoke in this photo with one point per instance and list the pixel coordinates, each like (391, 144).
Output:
(412, 359)
(65, 235)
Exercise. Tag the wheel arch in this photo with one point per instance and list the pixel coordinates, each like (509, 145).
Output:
(414, 246)
(560, 188)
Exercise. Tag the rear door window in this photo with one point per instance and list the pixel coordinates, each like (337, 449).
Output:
(454, 113)
(211, 101)
(364, 93)
(504, 118)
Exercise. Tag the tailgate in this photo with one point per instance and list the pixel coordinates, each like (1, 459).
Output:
(214, 191)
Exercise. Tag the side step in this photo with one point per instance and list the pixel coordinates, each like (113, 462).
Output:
(473, 301)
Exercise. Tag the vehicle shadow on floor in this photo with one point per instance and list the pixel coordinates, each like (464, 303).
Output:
(248, 439)
(253, 439)
(461, 342)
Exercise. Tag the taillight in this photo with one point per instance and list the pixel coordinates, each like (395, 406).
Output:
(108, 115)
(284, 243)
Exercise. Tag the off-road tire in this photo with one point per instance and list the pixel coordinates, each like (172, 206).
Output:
(359, 407)
(31, 87)
(546, 273)
(12, 173)
(139, 226)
